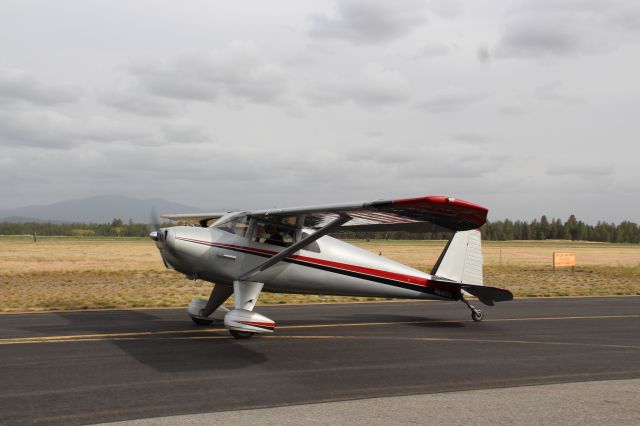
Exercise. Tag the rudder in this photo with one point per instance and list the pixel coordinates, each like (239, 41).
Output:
(461, 260)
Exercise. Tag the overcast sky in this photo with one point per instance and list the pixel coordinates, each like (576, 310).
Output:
(526, 107)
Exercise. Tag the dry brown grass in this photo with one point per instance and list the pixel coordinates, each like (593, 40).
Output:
(74, 273)
(20, 254)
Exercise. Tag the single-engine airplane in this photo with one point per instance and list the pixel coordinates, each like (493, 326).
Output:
(289, 251)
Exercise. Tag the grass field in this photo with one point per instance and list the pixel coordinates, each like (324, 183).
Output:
(82, 273)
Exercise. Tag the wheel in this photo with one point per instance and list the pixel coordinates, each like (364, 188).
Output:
(201, 322)
(241, 334)
(476, 315)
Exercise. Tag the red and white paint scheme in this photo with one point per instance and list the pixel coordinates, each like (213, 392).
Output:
(290, 251)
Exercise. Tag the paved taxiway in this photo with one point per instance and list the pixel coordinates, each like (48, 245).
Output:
(88, 367)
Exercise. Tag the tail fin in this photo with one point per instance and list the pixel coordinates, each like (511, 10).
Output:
(461, 260)
(460, 268)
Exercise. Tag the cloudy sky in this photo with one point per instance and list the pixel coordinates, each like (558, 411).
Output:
(526, 107)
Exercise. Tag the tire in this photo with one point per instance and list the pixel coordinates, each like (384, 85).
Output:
(476, 315)
(201, 322)
(241, 334)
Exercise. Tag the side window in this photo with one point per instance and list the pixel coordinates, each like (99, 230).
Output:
(276, 234)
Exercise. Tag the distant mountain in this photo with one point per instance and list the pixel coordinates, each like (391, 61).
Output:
(98, 209)
(20, 219)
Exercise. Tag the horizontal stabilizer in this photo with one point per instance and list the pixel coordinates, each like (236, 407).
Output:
(487, 295)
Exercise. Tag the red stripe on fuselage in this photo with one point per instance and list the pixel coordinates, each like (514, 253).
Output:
(407, 279)
(261, 324)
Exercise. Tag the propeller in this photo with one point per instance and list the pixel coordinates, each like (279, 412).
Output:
(153, 224)
(154, 234)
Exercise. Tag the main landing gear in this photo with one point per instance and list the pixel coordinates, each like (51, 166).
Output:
(205, 312)
(476, 314)
(242, 322)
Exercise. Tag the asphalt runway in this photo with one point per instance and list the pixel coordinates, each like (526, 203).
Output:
(99, 366)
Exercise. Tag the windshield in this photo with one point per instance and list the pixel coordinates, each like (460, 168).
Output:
(236, 225)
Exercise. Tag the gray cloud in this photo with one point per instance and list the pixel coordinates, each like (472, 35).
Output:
(457, 167)
(374, 87)
(446, 8)
(237, 73)
(52, 130)
(433, 50)
(595, 170)
(484, 56)
(547, 28)
(16, 85)
(554, 92)
(136, 101)
(369, 22)
(470, 138)
(539, 38)
(512, 110)
(186, 132)
(451, 99)
(403, 160)
(374, 133)
(220, 176)
(45, 129)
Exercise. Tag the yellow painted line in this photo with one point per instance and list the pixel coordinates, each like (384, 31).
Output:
(424, 339)
(284, 305)
(101, 336)
(360, 324)
(270, 305)
(133, 335)
(564, 318)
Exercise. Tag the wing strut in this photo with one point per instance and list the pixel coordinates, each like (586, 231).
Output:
(343, 218)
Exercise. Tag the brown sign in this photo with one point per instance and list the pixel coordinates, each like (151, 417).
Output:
(561, 260)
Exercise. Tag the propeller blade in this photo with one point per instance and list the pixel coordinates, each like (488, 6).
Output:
(153, 219)
(153, 224)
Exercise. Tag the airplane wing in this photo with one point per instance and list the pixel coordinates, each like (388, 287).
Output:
(412, 214)
(422, 214)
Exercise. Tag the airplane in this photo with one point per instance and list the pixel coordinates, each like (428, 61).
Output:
(289, 250)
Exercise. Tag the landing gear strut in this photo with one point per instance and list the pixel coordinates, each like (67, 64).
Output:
(243, 322)
(476, 314)
(205, 312)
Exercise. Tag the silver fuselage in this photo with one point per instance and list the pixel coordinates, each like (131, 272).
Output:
(330, 267)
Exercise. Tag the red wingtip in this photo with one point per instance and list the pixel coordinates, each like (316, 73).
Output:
(447, 206)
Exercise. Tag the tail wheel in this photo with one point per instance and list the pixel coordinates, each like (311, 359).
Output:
(241, 334)
(476, 315)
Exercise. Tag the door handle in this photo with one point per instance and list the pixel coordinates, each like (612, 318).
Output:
(226, 256)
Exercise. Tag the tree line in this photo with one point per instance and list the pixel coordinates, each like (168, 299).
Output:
(542, 229)
(555, 229)
(117, 228)
(500, 230)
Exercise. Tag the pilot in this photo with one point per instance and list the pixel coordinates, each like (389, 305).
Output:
(275, 237)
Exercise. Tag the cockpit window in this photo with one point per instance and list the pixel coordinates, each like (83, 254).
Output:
(237, 226)
(276, 234)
